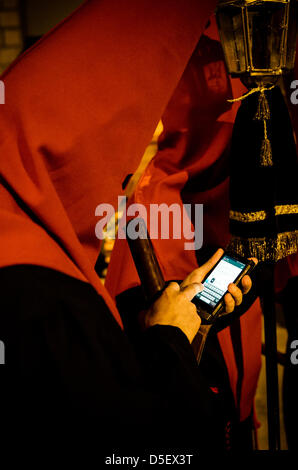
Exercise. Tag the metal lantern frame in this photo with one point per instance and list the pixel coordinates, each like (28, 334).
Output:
(286, 52)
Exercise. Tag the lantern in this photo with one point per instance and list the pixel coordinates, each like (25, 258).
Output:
(258, 38)
(259, 42)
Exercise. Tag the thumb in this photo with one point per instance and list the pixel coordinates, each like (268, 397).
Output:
(192, 290)
(205, 268)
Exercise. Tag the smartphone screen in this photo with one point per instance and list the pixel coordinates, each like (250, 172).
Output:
(217, 282)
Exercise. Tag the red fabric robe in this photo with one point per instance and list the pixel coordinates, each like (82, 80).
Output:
(198, 124)
(81, 106)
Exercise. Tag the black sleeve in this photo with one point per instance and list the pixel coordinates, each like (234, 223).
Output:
(69, 365)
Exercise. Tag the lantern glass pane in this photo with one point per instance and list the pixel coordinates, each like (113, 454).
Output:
(266, 34)
(292, 35)
(230, 26)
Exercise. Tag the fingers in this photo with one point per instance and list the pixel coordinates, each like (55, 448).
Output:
(198, 274)
(172, 287)
(229, 303)
(205, 268)
(236, 294)
(254, 260)
(189, 291)
(246, 284)
(192, 290)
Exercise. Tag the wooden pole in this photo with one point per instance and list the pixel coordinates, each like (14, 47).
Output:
(267, 296)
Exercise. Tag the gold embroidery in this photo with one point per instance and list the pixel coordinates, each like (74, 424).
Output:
(266, 249)
(248, 216)
(286, 209)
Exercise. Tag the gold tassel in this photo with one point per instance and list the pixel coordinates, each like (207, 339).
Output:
(266, 149)
(266, 153)
(263, 112)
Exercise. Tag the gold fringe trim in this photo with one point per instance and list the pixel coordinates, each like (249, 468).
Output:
(266, 249)
(286, 209)
(245, 217)
(248, 216)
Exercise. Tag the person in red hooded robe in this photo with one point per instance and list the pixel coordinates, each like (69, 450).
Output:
(191, 166)
(81, 105)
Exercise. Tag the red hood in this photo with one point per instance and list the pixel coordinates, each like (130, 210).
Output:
(81, 106)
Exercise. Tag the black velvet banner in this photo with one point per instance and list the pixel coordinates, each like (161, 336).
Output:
(264, 199)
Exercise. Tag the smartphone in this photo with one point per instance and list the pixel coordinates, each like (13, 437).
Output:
(229, 269)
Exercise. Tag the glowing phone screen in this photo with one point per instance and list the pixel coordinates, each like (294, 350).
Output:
(216, 284)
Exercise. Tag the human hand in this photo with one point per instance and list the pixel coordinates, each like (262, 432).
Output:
(235, 295)
(174, 308)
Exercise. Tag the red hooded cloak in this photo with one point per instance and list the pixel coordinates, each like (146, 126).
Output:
(81, 106)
